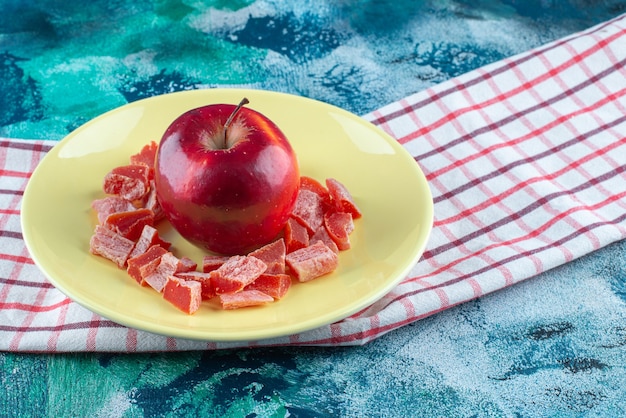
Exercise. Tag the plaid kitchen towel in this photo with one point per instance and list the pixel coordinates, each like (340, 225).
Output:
(526, 161)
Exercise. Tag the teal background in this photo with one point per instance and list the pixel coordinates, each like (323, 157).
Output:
(64, 63)
(551, 346)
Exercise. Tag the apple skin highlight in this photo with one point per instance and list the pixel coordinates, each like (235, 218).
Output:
(228, 192)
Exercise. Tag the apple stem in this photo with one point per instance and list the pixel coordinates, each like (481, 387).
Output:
(243, 102)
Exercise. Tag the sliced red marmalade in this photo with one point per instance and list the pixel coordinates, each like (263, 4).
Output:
(127, 234)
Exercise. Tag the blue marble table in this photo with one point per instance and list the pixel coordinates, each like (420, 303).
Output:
(554, 345)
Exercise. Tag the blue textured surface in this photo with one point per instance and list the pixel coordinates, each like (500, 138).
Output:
(65, 63)
(554, 345)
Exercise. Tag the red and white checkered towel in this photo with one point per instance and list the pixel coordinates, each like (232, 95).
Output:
(526, 160)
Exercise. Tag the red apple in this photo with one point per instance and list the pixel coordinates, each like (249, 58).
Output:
(226, 177)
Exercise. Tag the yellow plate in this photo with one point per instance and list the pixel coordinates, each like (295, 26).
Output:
(383, 178)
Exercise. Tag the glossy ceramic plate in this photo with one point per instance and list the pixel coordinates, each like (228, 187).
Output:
(383, 178)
